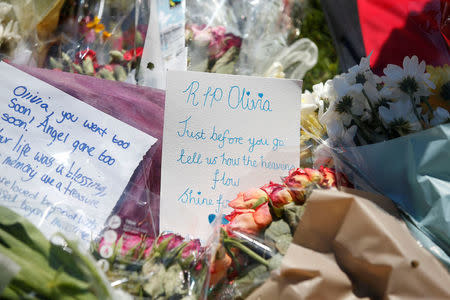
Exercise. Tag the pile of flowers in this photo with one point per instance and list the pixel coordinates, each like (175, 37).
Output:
(360, 107)
(212, 49)
(260, 230)
(166, 267)
(118, 66)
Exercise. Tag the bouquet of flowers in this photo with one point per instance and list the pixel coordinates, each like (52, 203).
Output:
(398, 120)
(165, 267)
(260, 230)
(249, 38)
(211, 49)
(40, 269)
(99, 39)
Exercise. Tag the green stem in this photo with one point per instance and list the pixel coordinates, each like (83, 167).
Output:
(363, 128)
(246, 250)
(374, 114)
(429, 106)
(419, 117)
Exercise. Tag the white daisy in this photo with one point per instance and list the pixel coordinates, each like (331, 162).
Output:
(362, 73)
(348, 104)
(9, 35)
(324, 95)
(409, 81)
(309, 104)
(441, 116)
(400, 117)
(339, 136)
(377, 97)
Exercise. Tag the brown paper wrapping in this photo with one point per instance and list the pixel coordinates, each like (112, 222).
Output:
(349, 247)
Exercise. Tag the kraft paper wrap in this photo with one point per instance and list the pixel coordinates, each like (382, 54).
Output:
(347, 247)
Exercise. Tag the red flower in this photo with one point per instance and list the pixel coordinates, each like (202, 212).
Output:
(329, 177)
(130, 241)
(278, 193)
(82, 55)
(192, 248)
(299, 179)
(133, 54)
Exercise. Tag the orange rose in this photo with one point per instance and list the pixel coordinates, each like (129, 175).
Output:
(249, 200)
(219, 267)
(249, 221)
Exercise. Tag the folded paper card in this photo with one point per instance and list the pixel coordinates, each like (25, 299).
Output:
(223, 134)
(63, 163)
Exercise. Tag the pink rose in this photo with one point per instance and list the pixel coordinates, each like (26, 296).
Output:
(278, 193)
(175, 240)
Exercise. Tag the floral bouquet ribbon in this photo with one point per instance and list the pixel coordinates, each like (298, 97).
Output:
(413, 171)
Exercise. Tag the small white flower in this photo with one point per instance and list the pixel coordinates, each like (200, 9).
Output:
(324, 95)
(362, 73)
(9, 34)
(377, 97)
(400, 117)
(309, 104)
(340, 136)
(440, 116)
(409, 81)
(349, 103)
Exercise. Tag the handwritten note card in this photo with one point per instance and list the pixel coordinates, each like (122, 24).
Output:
(223, 134)
(63, 163)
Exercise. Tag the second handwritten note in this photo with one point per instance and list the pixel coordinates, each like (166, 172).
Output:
(223, 134)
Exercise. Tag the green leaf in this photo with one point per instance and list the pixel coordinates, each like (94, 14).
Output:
(275, 262)
(88, 66)
(283, 242)
(276, 230)
(250, 281)
(260, 201)
(292, 214)
(225, 64)
(23, 230)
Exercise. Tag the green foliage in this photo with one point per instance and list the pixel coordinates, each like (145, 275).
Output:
(309, 14)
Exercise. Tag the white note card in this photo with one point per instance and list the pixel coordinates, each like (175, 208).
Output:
(223, 134)
(63, 163)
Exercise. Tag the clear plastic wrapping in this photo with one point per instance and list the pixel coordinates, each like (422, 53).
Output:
(96, 37)
(390, 136)
(260, 230)
(248, 38)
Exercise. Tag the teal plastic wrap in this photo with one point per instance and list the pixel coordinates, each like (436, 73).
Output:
(413, 171)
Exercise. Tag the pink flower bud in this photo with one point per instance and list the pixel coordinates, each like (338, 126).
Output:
(278, 193)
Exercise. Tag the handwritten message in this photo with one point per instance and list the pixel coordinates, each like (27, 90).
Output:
(223, 134)
(63, 163)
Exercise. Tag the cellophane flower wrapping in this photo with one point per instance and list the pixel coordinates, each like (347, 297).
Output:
(97, 38)
(138, 206)
(260, 230)
(247, 38)
(390, 135)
